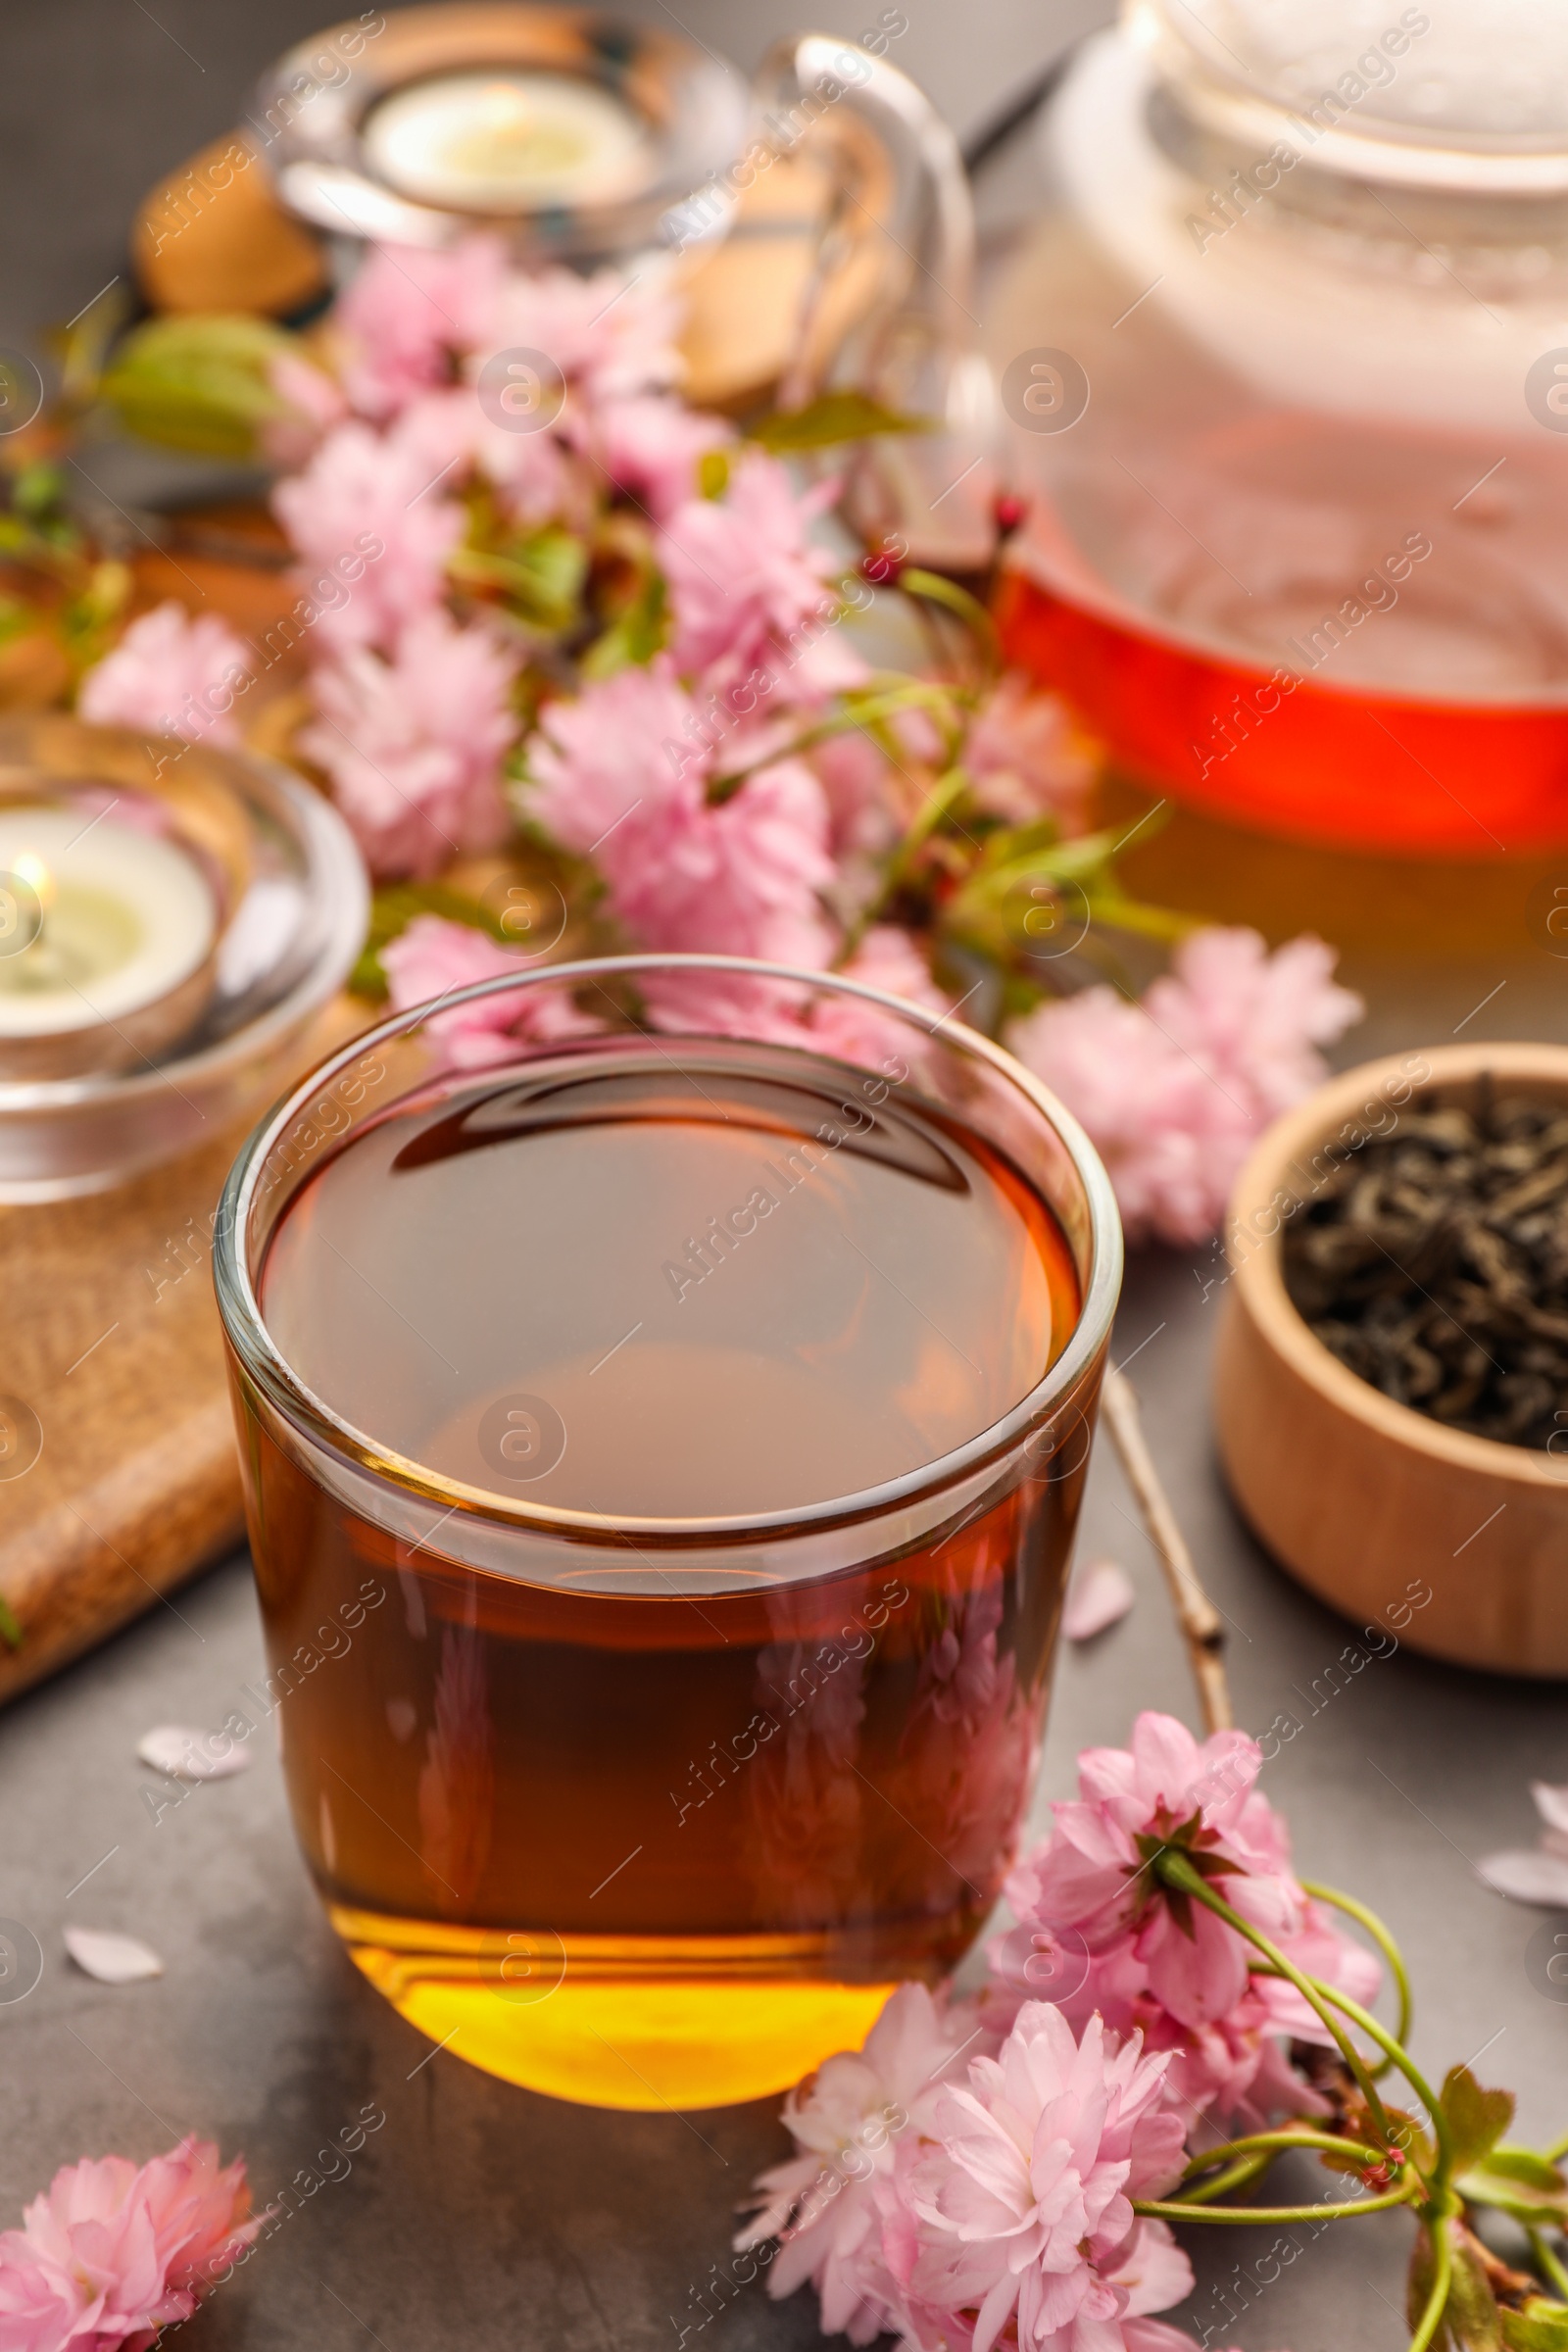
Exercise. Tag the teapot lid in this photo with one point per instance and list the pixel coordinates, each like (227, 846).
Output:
(1460, 94)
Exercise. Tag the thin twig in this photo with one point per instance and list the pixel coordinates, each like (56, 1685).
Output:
(1202, 1627)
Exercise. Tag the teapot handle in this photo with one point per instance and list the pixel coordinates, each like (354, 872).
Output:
(914, 346)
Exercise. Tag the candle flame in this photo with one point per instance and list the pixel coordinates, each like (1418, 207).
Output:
(38, 878)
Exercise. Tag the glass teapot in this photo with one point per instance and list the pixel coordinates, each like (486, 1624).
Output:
(1284, 366)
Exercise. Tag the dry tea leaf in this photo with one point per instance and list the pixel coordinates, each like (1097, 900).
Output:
(1433, 1262)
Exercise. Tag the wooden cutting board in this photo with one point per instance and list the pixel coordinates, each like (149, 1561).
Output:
(118, 1474)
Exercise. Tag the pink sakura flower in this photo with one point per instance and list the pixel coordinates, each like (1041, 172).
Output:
(887, 958)
(113, 2252)
(314, 403)
(413, 745)
(856, 776)
(651, 447)
(611, 336)
(448, 435)
(1536, 1874)
(408, 313)
(1011, 2215)
(1171, 1136)
(371, 496)
(1099, 1596)
(432, 957)
(1174, 1091)
(750, 590)
(1023, 757)
(973, 1740)
(740, 879)
(621, 775)
(616, 753)
(1176, 1972)
(805, 1845)
(1254, 1018)
(171, 674)
(846, 2120)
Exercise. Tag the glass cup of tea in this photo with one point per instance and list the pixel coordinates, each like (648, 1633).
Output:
(666, 1387)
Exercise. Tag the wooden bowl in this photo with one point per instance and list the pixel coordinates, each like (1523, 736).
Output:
(1455, 1545)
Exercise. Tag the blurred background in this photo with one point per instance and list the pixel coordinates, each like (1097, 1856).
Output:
(100, 97)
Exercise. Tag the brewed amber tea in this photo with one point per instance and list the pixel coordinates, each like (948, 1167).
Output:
(672, 1720)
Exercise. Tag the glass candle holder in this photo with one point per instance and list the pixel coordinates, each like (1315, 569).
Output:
(194, 913)
(666, 1387)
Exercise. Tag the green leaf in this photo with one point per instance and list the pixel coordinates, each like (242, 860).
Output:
(200, 383)
(634, 636)
(1121, 914)
(938, 589)
(1541, 2326)
(393, 908)
(10, 1631)
(39, 489)
(84, 345)
(541, 577)
(1471, 2320)
(713, 473)
(1518, 2182)
(831, 419)
(1477, 2119)
(16, 620)
(1408, 2135)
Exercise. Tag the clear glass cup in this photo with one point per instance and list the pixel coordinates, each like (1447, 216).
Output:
(652, 1804)
(1285, 364)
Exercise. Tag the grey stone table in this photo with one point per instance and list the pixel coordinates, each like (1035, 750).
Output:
(483, 2217)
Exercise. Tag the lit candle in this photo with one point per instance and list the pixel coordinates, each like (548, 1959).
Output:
(507, 141)
(105, 931)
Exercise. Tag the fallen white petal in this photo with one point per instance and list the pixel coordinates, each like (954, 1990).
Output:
(184, 1754)
(1102, 1594)
(112, 1959)
(1528, 1878)
(1551, 1805)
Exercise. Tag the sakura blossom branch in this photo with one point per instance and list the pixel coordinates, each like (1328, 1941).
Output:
(1457, 2160)
(1217, 2022)
(612, 641)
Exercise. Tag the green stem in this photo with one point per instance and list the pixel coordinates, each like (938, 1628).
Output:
(1238, 2175)
(1385, 1945)
(917, 696)
(932, 809)
(1302, 2137)
(1411, 2073)
(1430, 2319)
(968, 609)
(1558, 2149)
(1177, 1871)
(1546, 2260)
(1170, 2210)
